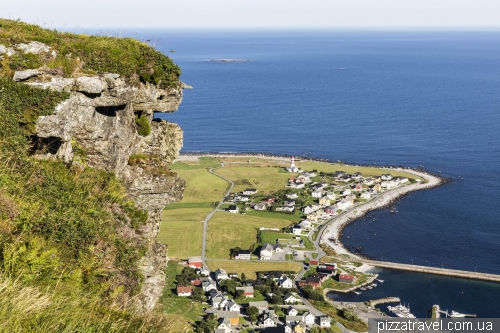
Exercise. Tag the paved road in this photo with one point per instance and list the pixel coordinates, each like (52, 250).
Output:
(209, 216)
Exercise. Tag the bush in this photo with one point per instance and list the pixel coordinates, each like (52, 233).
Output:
(143, 124)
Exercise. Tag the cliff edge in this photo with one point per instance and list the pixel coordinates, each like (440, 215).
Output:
(113, 88)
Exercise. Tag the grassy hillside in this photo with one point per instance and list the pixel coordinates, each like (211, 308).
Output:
(90, 54)
(68, 252)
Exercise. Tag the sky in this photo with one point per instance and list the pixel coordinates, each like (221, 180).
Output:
(256, 14)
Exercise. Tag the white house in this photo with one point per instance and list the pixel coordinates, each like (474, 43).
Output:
(386, 176)
(324, 321)
(309, 318)
(291, 298)
(220, 274)
(266, 252)
(260, 206)
(242, 255)
(285, 282)
(297, 229)
(403, 180)
(357, 175)
(233, 209)
(250, 191)
(292, 196)
(232, 306)
(346, 192)
(242, 198)
(330, 195)
(267, 319)
(368, 181)
(344, 204)
(291, 311)
(224, 324)
(365, 195)
(290, 203)
(285, 209)
(317, 194)
(208, 285)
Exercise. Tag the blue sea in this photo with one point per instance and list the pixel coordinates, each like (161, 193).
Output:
(428, 99)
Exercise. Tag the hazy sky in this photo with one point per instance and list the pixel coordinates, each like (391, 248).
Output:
(256, 13)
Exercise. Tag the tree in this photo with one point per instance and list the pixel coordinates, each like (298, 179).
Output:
(243, 277)
(229, 286)
(208, 325)
(199, 295)
(252, 312)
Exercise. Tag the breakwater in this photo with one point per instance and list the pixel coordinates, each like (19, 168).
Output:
(385, 300)
(433, 270)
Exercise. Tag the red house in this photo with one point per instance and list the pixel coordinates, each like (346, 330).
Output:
(195, 262)
(345, 278)
(269, 200)
(313, 263)
(195, 281)
(184, 291)
(315, 282)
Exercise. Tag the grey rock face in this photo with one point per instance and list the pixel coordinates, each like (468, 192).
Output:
(105, 127)
(6, 50)
(33, 47)
(90, 85)
(24, 75)
(57, 84)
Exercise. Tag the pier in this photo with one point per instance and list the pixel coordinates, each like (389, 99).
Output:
(385, 300)
(433, 270)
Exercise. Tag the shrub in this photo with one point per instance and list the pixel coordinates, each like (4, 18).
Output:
(144, 127)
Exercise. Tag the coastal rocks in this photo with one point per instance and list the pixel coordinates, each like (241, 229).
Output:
(100, 119)
(26, 74)
(90, 85)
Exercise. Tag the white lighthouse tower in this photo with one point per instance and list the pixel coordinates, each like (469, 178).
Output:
(292, 167)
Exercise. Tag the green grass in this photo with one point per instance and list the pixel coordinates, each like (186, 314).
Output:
(366, 171)
(68, 248)
(181, 229)
(266, 180)
(227, 231)
(251, 268)
(274, 215)
(95, 54)
(271, 237)
(181, 312)
(201, 163)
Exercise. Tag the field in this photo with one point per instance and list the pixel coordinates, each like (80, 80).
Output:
(250, 268)
(270, 237)
(266, 180)
(181, 228)
(227, 231)
(366, 171)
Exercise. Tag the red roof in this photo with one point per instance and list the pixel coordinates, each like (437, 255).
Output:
(313, 262)
(346, 277)
(182, 290)
(196, 282)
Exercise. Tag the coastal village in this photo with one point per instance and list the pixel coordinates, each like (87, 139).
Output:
(280, 301)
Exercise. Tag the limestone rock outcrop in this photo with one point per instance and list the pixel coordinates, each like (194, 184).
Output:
(99, 118)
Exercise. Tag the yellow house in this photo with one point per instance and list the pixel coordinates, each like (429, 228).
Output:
(325, 201)
(299, 328)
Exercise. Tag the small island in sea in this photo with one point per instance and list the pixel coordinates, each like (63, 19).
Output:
(230, 60)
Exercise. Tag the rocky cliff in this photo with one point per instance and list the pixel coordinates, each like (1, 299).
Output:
(107, 123)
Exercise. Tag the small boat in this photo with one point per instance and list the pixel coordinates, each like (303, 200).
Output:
(362, 288)
(381, 281)
(357, 292)
(455, 314)
(373, 285)
(369, 287)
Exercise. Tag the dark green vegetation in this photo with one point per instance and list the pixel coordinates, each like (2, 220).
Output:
(144, 128)
(91, 54)
(68, 250)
